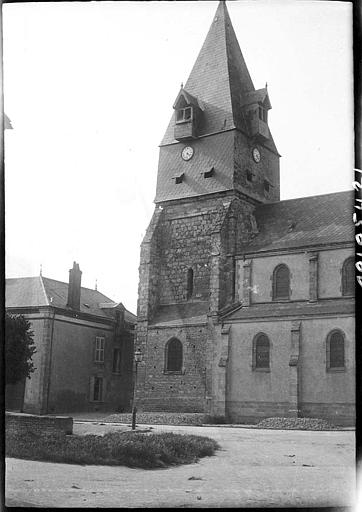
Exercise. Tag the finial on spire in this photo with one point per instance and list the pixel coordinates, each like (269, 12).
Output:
(266, 85)
(95, 287)
(182, 85)
(41, 270)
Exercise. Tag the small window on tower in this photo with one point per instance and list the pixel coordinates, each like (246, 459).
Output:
(190, 283)
(179, 178)
(249, 175)
(209, 173)
(266, 186)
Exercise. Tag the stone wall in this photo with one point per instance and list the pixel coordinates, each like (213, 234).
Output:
(198, 234)
(186, 242)
(159, 390)
(28, 423)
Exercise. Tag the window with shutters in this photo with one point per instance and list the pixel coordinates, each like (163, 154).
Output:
(261, 353)
(348, 277)
(99, 350)
(173, 356)
(281, 283)
(335, 351)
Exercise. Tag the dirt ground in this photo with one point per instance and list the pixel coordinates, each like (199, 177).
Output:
(254, 468)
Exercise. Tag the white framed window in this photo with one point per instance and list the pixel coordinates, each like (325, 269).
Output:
(99, 349)
(184, 115)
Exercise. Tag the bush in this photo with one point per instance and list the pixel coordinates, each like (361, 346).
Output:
(114, 448)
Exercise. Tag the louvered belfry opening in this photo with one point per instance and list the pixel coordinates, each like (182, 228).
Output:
(281, 282)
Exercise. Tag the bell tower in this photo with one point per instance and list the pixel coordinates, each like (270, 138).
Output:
(217, 161)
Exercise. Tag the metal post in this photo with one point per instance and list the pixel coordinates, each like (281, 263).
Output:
(134, 409)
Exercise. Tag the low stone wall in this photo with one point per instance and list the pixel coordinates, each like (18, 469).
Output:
(22, 423)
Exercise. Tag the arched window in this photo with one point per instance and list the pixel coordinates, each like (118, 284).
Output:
(261, 352)
(173, 355)
(348, 277)
(190, 283)
(335, 351)
(281, 282)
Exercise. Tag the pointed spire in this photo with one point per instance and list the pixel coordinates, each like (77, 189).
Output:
(219, 77)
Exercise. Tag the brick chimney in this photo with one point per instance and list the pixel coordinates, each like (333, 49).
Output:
(75, 277)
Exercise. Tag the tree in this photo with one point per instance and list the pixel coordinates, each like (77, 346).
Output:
(19, 348)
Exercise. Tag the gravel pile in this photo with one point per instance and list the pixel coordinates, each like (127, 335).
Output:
(162, 418)
(295, 424)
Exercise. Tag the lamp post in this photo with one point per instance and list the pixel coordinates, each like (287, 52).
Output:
(137, 359)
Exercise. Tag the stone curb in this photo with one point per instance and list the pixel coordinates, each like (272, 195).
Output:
(339, 429)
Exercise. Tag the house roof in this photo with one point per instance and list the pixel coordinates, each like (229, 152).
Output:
(38, 291)
(219, 79)
(314, 220)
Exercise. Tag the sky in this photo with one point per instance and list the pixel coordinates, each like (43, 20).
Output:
(89, 89)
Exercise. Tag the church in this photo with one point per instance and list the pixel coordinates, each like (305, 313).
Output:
(246, 302)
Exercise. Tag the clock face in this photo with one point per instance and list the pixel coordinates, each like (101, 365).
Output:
(187, 152)
(256, 155)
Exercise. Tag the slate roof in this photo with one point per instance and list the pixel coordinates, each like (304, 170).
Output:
(38, 291)
(298, 309)
(255, 97)
(214, 152)
(181, 314)
(304, 221)
(220, 79)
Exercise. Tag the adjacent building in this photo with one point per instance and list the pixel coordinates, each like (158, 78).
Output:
(246, 302)
(84, 347)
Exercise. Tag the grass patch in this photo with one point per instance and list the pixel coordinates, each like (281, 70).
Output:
(114, 448)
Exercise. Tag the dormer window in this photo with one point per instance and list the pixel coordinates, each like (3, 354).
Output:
(263, 115)
(184, 115)
(188, 111)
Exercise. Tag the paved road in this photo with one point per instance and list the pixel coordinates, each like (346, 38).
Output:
(254, 468)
